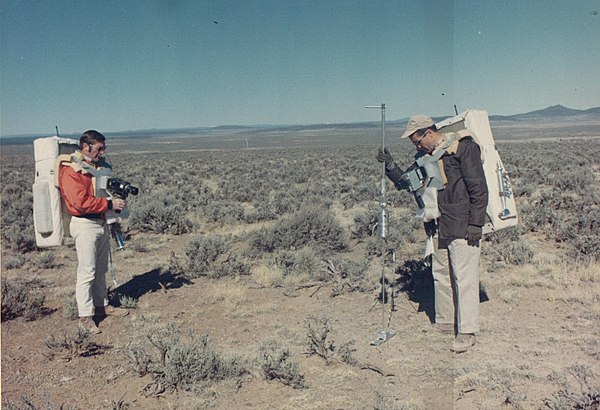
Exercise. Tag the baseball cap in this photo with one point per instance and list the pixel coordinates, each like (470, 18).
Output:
(415, 123)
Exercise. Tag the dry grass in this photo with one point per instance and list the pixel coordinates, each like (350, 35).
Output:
(267, 275)
(230, 294)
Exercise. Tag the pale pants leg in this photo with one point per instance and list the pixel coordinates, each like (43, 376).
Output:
(92, 245)
(456, 285)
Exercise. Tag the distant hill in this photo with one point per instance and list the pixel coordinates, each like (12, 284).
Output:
(556, 114)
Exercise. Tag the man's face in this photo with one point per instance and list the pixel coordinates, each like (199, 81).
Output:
(423, 141)
(94, 151)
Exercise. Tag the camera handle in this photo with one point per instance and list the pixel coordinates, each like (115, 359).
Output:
(117, 234)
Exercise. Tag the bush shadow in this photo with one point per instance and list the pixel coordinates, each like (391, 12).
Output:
(149, 282)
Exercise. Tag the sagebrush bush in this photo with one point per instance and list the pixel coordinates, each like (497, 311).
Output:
(17, 214)
(510, 251)
(582, 234)
(70, 310)
(233, 265)
(223, 212)
(348, 275)
(180, 361)
(21, 299)
(139, 359)
(578, 392)
(364, 224)
(319, 337)
(45, 260)
(13, 261)
(302, 262)
(309, 226)
(69, 346)
(517, 253)
(156, 216)
(202, 252)
(275, 364)
(194, 361)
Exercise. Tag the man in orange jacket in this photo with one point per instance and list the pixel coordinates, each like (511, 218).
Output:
(89, 229)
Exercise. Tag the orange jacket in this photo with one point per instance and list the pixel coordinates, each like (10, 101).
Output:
(77, 190)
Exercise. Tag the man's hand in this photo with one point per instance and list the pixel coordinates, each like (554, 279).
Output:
(473, 235)
(118, 204)
(385, 156)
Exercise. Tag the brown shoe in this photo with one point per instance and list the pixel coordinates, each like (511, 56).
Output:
(111, 311)
(87, 323)
(463, 342)
(446, 328)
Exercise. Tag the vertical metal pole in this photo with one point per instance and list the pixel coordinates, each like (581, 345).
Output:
(382, 226)
(383, 218)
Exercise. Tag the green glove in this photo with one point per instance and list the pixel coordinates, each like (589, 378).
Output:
(473, 235)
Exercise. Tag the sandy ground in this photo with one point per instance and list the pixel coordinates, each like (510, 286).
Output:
(528, 343)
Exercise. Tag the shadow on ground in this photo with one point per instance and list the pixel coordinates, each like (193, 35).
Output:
(149, 282)
(416, 282)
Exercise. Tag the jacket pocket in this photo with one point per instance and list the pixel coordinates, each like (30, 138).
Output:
(454, 220)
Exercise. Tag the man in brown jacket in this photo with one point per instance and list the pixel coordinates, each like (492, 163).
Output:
(461, 204)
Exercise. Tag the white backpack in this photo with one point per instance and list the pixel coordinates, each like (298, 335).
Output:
(50, 219)
(501, 212)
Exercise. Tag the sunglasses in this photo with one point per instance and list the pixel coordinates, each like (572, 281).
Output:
(99, 148)
(417, 142)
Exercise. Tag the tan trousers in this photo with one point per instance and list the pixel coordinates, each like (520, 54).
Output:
(92, 245)
(456, 285)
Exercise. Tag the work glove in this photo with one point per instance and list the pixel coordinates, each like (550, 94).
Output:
(473, 235)
(385, 156)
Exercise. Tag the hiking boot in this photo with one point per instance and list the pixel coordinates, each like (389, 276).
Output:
(87, 323)
(446, 328)
(463, 342)
(111, 311)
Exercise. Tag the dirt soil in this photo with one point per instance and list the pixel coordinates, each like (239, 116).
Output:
(528, 342)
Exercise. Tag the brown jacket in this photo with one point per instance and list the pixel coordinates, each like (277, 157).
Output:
(464, 199)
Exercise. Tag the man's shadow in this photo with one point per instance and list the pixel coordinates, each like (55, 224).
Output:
(148, 282)
(416, 281)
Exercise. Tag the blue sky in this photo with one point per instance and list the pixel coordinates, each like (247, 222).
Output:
(139, 64)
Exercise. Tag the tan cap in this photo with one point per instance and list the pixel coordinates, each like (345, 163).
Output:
(416, 123)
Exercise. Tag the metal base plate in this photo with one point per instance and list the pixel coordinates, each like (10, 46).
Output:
(383, 337)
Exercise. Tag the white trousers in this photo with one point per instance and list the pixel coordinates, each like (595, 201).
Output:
(456, 285)
(92, 245)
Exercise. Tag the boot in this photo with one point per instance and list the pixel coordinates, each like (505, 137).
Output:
(87, 323)
(463, 342)
(110, 311)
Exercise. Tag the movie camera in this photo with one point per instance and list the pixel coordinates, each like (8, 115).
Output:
(423, 173)
(121, 188)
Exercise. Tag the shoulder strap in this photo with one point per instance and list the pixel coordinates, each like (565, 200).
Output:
(73, 160)
(455, 138)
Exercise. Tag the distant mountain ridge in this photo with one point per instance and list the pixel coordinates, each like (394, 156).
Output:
(555, 113)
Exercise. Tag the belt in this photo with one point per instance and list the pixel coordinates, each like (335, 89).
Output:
(94, 217)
